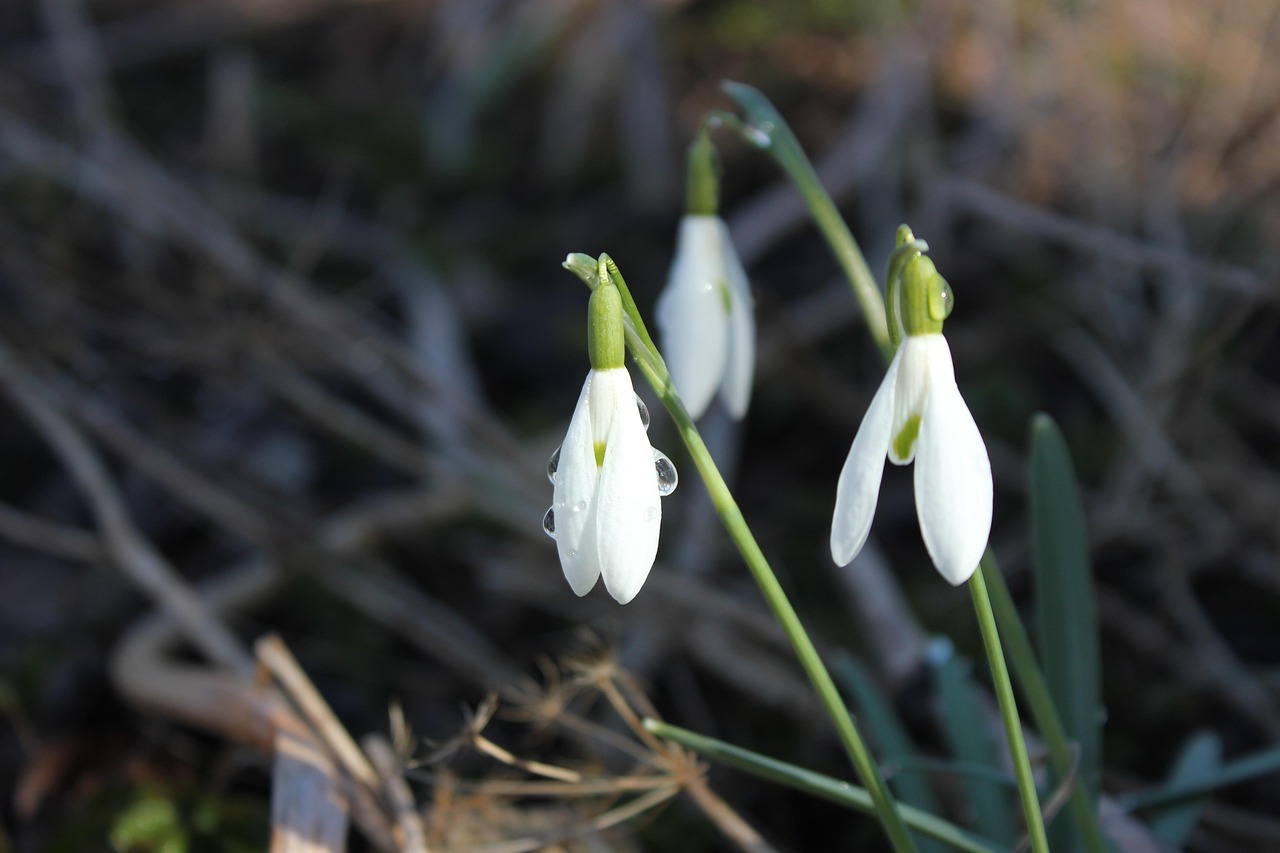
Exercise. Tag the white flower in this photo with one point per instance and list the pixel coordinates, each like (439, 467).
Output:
(606, 509)
(706, 318)
(918, 414)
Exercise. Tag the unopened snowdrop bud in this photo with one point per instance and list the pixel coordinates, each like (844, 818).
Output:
(705, 313)
(608, 480)
(918, 415)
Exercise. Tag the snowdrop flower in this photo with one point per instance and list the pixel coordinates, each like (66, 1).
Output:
(606, 510)
(918, 414)
(705, 313)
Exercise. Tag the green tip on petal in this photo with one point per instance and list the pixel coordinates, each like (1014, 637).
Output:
(906, 437)
(606, 343)
(599, 448)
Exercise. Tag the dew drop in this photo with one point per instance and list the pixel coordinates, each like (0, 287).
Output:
(651, 514)
(552, 464)
(549, 523)
(666, 470)
(761, 135)
(579, 506)
(644, 412)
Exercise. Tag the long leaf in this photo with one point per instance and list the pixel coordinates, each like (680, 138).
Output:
(1260, 763)
(890, 736)
(966, 730)
(842, 793)
(1199, 759)
(1066, 607)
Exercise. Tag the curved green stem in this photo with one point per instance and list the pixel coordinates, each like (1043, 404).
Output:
(1009, 714)
(767, 130)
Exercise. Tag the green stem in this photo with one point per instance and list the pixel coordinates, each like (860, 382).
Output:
(1040, 703)
(767, 130)
(1009, 714)
(655, 370)
(819, 785)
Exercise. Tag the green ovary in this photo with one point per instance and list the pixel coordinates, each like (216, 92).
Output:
(906, 438)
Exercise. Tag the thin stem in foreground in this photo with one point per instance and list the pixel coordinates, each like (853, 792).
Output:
(1034, 689)
(768, 130)
(1009, 714)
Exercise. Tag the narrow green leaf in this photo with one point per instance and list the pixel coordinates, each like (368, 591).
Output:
(970, 743)
(1066, 608)
(1199, 759)
(841, 793)
(1260, 763)
(886, 730)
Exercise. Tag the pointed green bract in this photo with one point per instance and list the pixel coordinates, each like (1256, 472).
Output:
(605, 342)
(924, 294)
(702, 193)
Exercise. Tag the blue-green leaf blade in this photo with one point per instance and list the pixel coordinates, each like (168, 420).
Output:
(970, 741)
(1066, 607)
(1199, 760)
(894, 745)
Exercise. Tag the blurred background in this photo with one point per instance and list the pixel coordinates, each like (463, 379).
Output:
(285, 345)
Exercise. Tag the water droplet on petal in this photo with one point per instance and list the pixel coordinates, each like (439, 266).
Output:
(644, 412)
(552, 464)
(666, 470)
(549, 523)
(579, 506)
(651, 514)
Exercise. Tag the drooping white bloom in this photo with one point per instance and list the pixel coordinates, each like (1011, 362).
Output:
(706, 318)
(918, 414)
(606, 510)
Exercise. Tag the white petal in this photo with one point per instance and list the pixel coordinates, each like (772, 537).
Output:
(859, 485)
(953, 477)
(628, 506)
(691, 313)
(913, 387)
(574, 498)
(739, 370)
